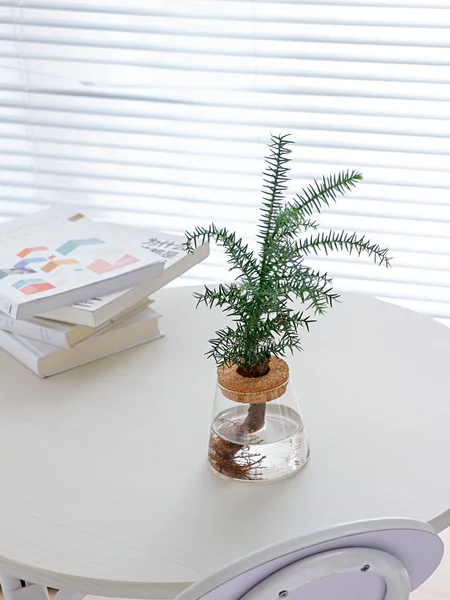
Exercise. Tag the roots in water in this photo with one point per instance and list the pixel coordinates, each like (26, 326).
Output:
(239, 461)
(236, 461)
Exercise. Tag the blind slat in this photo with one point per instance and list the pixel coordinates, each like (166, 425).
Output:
(419, 277)
(277, 104)
(208, 160)
(412, 135)
(265, 32)
(212, 191)
(141, 6)
(245, 181)
(223, 11)
(389, 290)
(218, 147)
(150, 62)
(105, 82)
(219, 16)
(314, 106)
(298, 50)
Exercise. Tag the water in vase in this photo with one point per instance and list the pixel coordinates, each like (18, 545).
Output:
(279, 449)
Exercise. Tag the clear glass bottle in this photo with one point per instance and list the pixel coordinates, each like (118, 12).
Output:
(253, 440)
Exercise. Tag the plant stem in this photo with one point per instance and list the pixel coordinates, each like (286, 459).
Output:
(255, 417)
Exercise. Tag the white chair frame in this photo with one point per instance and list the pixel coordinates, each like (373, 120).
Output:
(304, 572)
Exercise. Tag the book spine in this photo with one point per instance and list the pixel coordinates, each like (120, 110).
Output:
(8, 307)
(20, 352)
(34, 331)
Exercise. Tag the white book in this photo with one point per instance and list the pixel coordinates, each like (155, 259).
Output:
(46, 360)
(96, 311)
(58, 256)
(61, 335)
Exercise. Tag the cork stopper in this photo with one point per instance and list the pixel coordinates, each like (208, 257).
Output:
(254, 390)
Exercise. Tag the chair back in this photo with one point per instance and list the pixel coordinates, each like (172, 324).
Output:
(380, 559)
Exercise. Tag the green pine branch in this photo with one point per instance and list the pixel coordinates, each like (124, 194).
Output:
(337, 241)
(260, 301)
(274, 177)
(325, 192)
(240, 257)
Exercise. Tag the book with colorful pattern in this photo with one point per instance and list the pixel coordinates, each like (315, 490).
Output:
(59, 256)
(98, 310)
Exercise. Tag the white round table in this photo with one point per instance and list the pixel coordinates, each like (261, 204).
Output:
(104, 481)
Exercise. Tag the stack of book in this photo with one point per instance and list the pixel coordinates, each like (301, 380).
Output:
(74, 290)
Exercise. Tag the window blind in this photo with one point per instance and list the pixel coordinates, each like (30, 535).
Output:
(157, 114)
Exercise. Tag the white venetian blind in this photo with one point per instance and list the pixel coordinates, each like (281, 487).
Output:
(156, 113)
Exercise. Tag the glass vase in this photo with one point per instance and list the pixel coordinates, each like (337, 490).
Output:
(257, 436)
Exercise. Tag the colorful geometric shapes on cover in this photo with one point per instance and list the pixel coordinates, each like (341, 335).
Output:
(71, 245)
(53, 264)
(27, 251)
(33, 286)
(26, 261)
(5, 272)
(101, 266)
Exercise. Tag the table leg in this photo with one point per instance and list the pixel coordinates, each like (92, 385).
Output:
(15, 589)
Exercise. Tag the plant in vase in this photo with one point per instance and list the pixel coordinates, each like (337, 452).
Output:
(257, 431)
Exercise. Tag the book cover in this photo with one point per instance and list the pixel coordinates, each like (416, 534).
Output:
(59, 256)
(97, 310)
